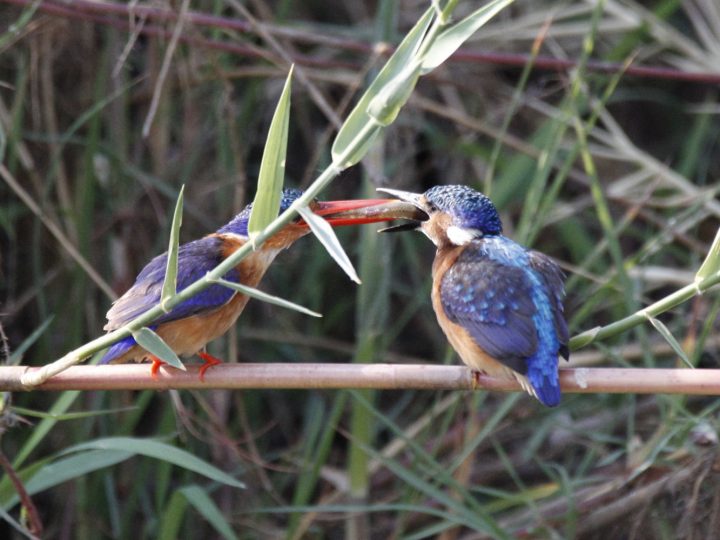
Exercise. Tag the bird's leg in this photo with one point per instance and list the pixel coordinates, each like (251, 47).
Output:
(209, 360)
(156, 363)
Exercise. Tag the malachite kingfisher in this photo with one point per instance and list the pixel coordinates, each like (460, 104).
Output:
(189, 326)
(500, 304)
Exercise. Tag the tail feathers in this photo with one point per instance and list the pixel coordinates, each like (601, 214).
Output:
(543, 384)
(116, 350)
(548, 393)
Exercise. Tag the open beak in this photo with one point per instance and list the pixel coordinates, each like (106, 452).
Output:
(357, 212)
(416, 216)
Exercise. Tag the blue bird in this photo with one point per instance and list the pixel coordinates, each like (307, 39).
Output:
(189, 326)
(500, 304)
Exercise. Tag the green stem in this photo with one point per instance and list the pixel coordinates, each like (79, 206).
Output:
(637, 318)
(77, 355)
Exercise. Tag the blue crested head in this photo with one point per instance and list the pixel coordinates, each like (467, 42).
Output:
(469, 209)
(239, 224)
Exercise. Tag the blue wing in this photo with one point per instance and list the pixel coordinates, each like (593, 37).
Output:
(492, 298)
(493, 302)
(553, 279)
(195, 259)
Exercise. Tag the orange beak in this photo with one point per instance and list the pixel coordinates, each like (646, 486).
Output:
(360, 211)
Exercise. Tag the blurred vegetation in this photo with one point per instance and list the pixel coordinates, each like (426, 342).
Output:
(612, 172)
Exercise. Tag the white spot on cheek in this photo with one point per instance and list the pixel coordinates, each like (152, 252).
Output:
(460, 236)
(581, 377)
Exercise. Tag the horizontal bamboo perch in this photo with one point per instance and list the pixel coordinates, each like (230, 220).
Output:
(381, 376)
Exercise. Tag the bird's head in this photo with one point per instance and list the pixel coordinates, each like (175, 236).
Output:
(336, 213)
(450, 215)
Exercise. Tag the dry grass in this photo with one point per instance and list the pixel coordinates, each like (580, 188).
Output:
(614, 173)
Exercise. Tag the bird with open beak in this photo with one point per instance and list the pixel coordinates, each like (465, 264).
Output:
(499, 304)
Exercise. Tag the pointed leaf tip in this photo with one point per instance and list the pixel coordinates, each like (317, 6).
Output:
(324, 232)
(155, 345)
(266, 205)
(452, 38)
(711, 264)
(355, 132)
(169, 288)
(665, 333)
(270, 299)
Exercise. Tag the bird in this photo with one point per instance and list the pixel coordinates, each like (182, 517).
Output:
(190, 325)
(500, 304)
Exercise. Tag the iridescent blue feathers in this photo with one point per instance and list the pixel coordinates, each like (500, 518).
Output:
(239, 224)
(470, 209)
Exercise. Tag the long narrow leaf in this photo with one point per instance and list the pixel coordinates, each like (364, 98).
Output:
(169, 287)
(155, 345)
(69, 416)
(450, 40)
(359, 118)
(16, 355)
(202, 502)
(385, 107)
(172, 517)
(272, 167)
(159, 450)
(3, 144)
(711, 264)
(265, 297)
(665, 332)
(64, 469)
(324, 232)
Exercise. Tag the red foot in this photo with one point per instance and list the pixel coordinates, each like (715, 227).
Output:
(156, 363)
(210, 361)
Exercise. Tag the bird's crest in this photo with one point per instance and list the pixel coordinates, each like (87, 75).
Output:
(239, 224)
(469, 209)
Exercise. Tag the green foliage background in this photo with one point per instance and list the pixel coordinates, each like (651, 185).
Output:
(613, 174)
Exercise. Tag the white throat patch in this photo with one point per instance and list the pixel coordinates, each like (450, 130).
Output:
(459, 236)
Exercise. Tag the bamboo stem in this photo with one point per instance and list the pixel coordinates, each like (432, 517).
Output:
(378, 376)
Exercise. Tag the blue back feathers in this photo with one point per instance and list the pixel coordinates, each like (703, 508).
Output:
(469, 209)
(239, 224)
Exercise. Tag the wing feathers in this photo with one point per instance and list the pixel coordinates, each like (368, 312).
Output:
(493, 300)
(195, 259)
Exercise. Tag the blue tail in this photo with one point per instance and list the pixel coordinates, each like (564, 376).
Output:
(116, 350)
(543, 377)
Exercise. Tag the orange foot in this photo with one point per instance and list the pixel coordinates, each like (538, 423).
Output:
(156, 363)
(210, 361)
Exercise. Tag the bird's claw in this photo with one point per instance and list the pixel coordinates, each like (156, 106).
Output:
(475, 376)
(154, 369)
(210, 361)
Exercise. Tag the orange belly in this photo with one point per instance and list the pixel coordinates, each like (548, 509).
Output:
(187, 336)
